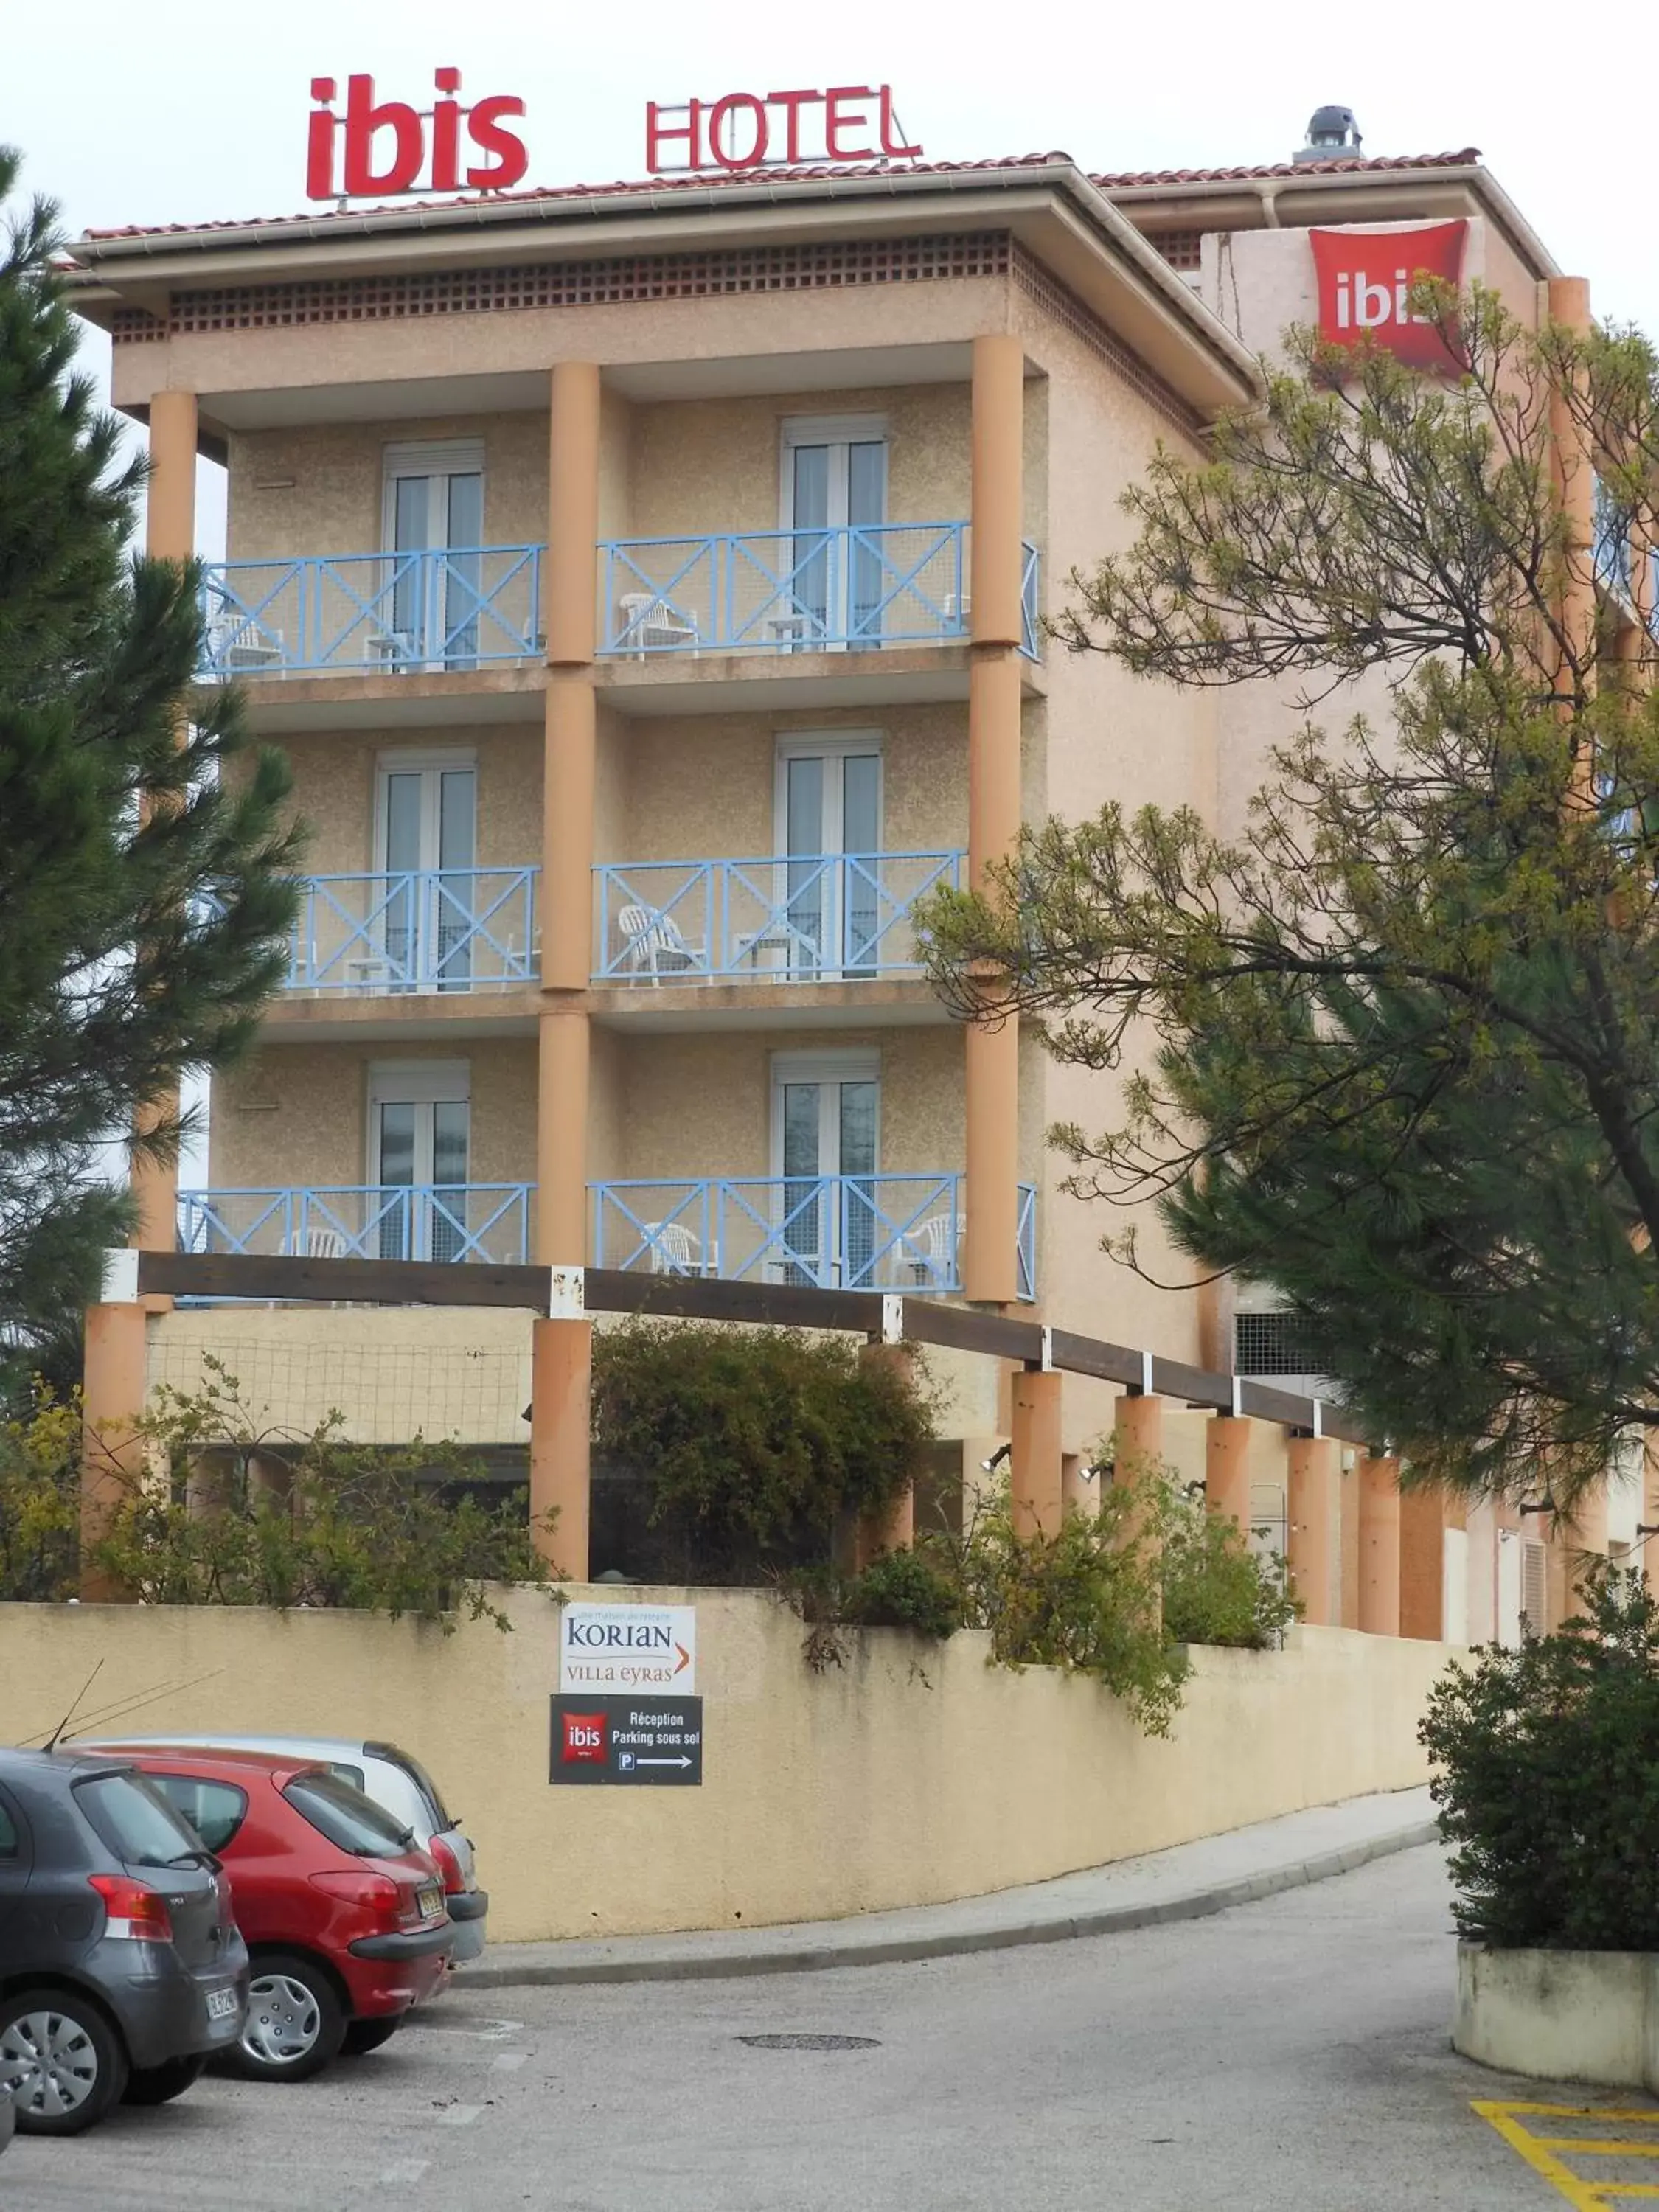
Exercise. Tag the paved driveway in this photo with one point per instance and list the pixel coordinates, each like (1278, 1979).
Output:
(1287, 2057)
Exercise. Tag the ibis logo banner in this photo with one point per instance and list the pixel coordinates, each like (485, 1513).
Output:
(622, 1649)
(1366, 279)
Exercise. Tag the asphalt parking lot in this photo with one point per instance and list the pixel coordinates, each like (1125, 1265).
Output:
(1290, 2056)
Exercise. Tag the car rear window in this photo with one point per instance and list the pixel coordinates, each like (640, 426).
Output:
(215, 1809)
(422, 1781)
(135, 1820)
(346, 1817)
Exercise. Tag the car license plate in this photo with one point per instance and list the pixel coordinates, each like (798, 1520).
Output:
(222, 2004)
(431, 1902)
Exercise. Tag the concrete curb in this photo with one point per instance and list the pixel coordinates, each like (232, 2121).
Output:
(755, 1955)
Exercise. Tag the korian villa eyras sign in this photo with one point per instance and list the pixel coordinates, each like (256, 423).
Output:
(382, 149)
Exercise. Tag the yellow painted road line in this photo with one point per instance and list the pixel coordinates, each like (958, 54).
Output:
(1543, 2153)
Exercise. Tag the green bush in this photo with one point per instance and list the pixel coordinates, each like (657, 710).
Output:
(238, 1516)
(904, 1590)
(753, 1446)
(1216, 1589)
(1547, 1779)
(40, 1499)
(1086, 1598)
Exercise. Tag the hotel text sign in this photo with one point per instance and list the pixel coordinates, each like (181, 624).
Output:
(387, 147)
(753, 130)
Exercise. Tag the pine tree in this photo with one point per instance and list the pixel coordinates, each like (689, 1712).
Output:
(144, 891)
(1397, 1042)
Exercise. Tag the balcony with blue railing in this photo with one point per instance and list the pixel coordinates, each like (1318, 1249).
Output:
(444, 611)
(806, 918)
(851, 589)
(874, 1232)
(450, 929)
(490, 1221)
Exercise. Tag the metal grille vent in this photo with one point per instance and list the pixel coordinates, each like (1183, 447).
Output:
(1276, 1344)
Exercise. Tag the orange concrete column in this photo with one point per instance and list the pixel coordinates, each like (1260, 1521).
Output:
(999, 490)
(1035, 1484)
(991, 1056)
(1310, 1501)
(1138, 1436)
(572, 513)
(1348, 1543)
(1379, 1547)
(169, 535)
(561, 1375)
(1226, 1468)
(1573, 1544)
(569, 768)
(561, 1138)
(113, 1385)
(1423, 1525)
(894, 1529)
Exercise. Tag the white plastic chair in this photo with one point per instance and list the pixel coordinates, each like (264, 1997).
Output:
(651, 622)
(675, 1249)
(655, 944)
(236, 641)
(933, 1245)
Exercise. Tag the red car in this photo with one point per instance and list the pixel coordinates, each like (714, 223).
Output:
(343, 1917)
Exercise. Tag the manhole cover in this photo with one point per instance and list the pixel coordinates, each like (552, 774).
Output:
(811, 2042)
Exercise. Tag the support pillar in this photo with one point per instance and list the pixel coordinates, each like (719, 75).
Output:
(893, 1529)
(1138, 1461)
(1348, 1543)
(1227, 1469)
(561, 1375)
(169, 535)
(991, 1072)
(1572, 468)
(1034, 1474)
(1572, 1547)
(1423, 1523)
(1379, 1547)
(111, 1457)
(1310, 1501)
(562, 1346)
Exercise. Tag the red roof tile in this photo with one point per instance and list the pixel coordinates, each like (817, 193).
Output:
(652, 187)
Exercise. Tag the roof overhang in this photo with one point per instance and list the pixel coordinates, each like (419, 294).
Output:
(1291, 201)
(1065, 221)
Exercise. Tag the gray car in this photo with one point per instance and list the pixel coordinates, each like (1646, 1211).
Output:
(121, 1968)
(394, 1779)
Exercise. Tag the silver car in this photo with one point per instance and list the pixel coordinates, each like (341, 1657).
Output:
(393, 1779)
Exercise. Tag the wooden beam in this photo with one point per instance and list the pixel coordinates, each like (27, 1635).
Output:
(340, 1282)
(697, 1297)
(958, 1328)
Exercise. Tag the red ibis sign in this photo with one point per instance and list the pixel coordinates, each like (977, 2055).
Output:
(385, 146)
(1365, 278)
(756, 130)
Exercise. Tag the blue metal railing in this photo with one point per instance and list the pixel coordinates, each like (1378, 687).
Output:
(876, 1232)
(487, 1221)
(1610, 546)
(449, 929)
(792, 591)
(452, 609)
(803, 917)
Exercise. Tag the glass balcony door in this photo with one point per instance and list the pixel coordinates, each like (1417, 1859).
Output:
(426, 841)
(434, 520)
(834, 481)
(828, 808)
(420, 1128)
(825, 1130)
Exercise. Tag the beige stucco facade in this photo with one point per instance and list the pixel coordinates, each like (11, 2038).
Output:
(637, 371)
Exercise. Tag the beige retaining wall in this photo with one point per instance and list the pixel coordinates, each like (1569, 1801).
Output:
(913, 1774)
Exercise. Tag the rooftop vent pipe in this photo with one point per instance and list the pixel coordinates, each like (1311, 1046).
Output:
(1331, 133)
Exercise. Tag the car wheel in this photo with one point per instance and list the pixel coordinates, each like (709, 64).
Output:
(363, 2036)
(60, 2060)
(160, 2085)
(296, 2022)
